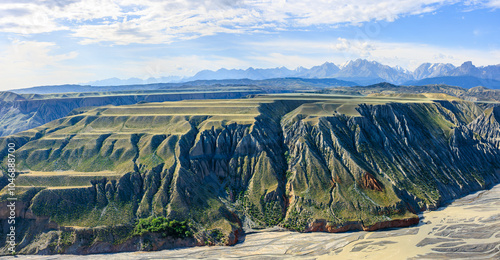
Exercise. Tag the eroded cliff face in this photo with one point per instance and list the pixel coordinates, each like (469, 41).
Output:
(488, 125)
(391, 160)
(308, 164)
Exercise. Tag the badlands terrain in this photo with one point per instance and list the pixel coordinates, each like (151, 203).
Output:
(302, 162)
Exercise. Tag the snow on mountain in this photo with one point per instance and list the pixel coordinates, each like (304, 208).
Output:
(360, 71)
(371, 69)
(431, 70)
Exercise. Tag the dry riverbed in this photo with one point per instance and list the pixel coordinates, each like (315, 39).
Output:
(469, 228)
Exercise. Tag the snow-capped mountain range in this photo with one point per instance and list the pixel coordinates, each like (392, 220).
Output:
(361, 71)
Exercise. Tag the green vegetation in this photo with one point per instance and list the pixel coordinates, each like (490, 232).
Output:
(174, 228)
(67, 238)
(287, 160)
(214, 237)
(297, 220)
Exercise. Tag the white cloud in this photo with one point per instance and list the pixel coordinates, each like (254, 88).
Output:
(25, 62)
(26, 19)
(348, 47)
(495, 4)
(151, 21)
(31, 54)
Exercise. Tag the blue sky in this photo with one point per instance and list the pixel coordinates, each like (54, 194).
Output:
(74, 41)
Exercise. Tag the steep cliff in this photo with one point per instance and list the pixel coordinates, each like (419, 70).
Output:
(304, 162)
(488, 125)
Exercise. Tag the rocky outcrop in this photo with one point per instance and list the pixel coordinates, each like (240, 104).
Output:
(321, 225)
(488, 125)
(369, 182)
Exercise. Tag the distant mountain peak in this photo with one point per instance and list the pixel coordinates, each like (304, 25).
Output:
(362, 71)
(431, 70)
(467, 64)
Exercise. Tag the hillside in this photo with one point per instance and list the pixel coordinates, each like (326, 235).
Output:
(306, 162)
(19, 112)
(36, 106)
(476, 94)
(27, 111)
(268, 85)
(460, 81)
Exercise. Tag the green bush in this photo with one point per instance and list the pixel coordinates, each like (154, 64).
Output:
(174, 228)
(217, 234)
(288, 158)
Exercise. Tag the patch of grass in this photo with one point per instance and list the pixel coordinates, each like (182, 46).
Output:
(66, 239)
(297, 220)
(288, 158)
(174, 228)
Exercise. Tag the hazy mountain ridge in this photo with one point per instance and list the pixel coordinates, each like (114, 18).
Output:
(361, 71)
(134, 81)
(325, 70)
(272, 84)
(475, 94)
(250, 73)
(369, 72)
(462, 81)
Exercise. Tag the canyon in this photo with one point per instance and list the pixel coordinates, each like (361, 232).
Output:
(303, 162)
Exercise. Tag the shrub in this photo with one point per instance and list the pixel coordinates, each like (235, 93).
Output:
(174, 228)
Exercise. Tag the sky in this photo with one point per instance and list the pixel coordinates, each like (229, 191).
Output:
(46, 42)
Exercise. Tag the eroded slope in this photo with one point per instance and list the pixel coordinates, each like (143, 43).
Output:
(305, 162)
